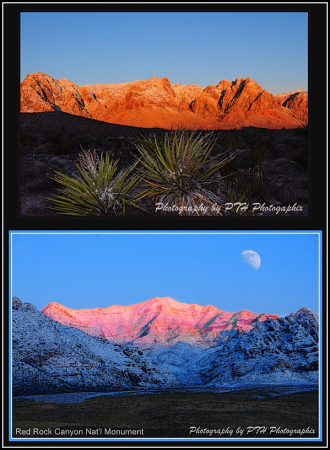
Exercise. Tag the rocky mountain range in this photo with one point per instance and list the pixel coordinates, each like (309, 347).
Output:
(48, 357)
(52, 357)
(155, 103)
(160, 321)
(275, 350)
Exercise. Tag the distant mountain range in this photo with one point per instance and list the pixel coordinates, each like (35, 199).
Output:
(237, 348)
(157, 322)
(155, 103)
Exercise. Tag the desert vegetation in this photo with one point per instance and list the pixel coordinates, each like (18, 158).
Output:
(180, 168)
(98, 190)
(177, 171)
(174, 169)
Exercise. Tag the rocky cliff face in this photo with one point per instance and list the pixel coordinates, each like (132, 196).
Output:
(40, 92)
(244, 102)
(297, 102)
(157, 322)
(49, 357)
(275, 350)
(156, 103)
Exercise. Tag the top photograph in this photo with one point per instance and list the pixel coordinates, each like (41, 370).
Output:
(164, 114)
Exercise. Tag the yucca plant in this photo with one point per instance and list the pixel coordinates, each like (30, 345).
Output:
(177, 170)
(98, 191)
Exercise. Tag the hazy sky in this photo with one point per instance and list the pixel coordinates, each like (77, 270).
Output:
(98, 270)
(201, 48)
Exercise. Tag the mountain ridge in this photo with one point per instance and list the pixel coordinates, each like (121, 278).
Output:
(160, 321)
(49, 357)
(155, 103)
(274, 350)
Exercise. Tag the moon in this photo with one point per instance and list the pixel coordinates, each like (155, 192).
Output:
(251, 258)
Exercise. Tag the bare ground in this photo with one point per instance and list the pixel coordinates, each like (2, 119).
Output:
(173, 415)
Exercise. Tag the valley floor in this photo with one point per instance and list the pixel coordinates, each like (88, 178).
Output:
(260, 412)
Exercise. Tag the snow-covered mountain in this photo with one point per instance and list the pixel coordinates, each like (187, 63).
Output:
(160, 321)
(275, 350)
(48, 357)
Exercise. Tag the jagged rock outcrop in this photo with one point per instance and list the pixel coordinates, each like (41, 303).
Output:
(297, 102)
(157, 322)
(244, 102)
(156, 103)
(275, 350)
(49, 357)
(40, 92)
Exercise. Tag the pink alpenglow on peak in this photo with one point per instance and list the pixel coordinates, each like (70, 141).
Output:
(160, 321)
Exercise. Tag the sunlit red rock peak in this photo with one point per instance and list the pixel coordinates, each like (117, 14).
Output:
(160, 321)
(156, 103)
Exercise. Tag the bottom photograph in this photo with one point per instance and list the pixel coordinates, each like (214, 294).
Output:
(192, 336)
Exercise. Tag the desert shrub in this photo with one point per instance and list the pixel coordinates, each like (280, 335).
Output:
(27, 139)
(86, 140)
(257, 154)
(300, 156)
(32, 171)
(57, 160)
(177, 170)
(40, 185)
(241, 200)
(232, 169)
(68, 146)
(255, 184)
(98, 190)
(54, 136)
(21, 153)
(260, 183)
(303, 130)
(304, 184)
(99, 140)
(248, 186)
(50, 148)
(287, 193)
(62, 143)
(280, 150)
(229, 142)
(257, 180)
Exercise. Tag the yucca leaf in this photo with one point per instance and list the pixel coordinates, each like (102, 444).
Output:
(178, 166)
(98, 191)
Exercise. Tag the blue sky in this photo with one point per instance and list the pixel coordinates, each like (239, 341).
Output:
(98, 270)
(200, 48)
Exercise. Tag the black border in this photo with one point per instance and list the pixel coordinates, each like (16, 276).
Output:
(316, 220)
(317, 136)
